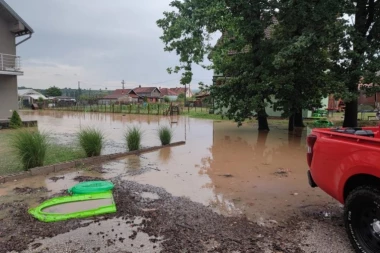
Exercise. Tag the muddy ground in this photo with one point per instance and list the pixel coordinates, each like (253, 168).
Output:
(171, 224)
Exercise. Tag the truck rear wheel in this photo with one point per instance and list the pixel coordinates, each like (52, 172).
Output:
(362, 219)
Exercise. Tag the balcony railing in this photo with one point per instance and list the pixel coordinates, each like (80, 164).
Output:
(10, 63)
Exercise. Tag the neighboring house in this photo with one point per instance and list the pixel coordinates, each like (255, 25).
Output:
(62, 101)
(166, 92)
(119, 95)
(11, 27)
(27, 97)
(202, 95)
(151, 94)
(182, 90)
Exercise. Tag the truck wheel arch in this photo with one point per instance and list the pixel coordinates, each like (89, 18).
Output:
(359, 180)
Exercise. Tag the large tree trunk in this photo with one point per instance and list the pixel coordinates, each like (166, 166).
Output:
(291, 123)
(298, 120)
(351, 114)
(263, 123)
(263, 120)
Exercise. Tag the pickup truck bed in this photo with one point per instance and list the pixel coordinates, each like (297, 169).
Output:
(345, 163)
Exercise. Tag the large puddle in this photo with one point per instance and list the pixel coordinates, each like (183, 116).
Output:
(232, 170)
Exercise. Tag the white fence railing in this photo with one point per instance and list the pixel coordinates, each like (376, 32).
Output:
(10, 62)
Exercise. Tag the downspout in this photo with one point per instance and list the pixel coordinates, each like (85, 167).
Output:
(30, 36)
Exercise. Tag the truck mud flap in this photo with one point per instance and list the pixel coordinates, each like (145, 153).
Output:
(311, 181)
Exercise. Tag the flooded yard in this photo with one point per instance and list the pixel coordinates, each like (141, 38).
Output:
(232, 171)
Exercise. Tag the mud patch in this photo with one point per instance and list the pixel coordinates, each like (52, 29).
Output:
(226, 175)
(98, 169)
(55, 179)
(87, 178)
(183, 225)
(281, 172)
(136, 172)
(29, 190)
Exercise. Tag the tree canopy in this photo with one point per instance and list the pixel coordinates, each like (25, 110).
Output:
(355, 53)
(53, 92)
(284, 53)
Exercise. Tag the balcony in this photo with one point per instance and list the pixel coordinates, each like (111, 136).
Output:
(10, 64)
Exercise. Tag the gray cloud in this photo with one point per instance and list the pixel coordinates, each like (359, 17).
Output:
(96, 42)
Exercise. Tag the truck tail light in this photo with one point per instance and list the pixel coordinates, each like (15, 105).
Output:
(311, 139)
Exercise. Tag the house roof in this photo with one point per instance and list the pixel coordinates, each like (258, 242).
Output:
(25, 92)
(121, 93)
(179, 90)
(30, 93)
(36, 97)
(10, 15)
(203, 94)
(140, 90)
(167, 92)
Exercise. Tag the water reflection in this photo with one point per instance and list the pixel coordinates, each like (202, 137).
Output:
(165, 155)
(228, 168)
(63, 126)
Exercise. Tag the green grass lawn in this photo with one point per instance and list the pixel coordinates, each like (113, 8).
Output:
(10, 163)
(201, 113)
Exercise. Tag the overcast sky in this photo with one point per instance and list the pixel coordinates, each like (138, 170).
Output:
(96, 42)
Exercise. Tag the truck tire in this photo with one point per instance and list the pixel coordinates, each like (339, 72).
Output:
(362, 219)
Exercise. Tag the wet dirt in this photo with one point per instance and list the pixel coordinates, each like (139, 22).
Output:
(87, 178)
(105, 236)
(186, 226)
(55, 179)
(28, 190)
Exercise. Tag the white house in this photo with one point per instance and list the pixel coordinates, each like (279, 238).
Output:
(12, 26)
(27, 97)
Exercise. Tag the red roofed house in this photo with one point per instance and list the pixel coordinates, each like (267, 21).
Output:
(120, 95)
(372, 100)
(167, 92)
(151, 94)
(182, 90)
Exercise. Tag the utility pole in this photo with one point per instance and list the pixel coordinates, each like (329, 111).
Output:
(79, 93)
(122, 82)
(185, 95)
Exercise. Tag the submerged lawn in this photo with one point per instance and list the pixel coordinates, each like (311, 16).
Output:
(10, 163)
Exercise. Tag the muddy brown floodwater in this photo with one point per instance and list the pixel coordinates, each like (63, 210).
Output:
(234, 171)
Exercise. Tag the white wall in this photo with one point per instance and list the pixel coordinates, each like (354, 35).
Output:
(8, 95)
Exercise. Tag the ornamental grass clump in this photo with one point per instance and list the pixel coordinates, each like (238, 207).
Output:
(30, 147)
(133, 138)
(165, 134)
(91, 141)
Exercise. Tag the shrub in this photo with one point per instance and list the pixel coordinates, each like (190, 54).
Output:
(91, 140)
(133, 138)
(30, 147)
(166, 99)
(15, 121)
(165, 134)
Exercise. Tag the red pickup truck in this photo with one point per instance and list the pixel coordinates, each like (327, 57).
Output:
(345, 163)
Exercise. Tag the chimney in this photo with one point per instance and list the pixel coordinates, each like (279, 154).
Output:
(140, 86)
